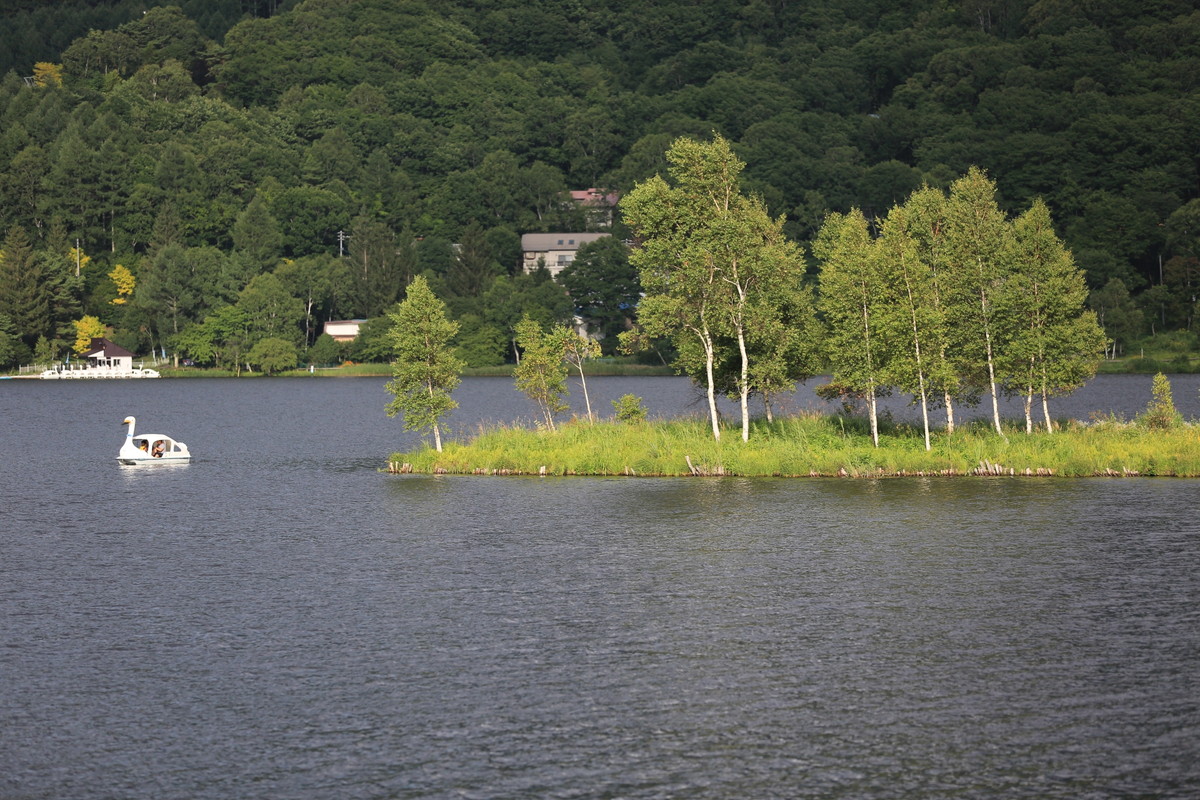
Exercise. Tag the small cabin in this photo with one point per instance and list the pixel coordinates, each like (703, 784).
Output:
(103, 354)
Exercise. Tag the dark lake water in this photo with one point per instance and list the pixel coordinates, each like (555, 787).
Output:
(279, 619)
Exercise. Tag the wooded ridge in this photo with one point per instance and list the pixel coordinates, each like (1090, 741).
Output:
(204, 176)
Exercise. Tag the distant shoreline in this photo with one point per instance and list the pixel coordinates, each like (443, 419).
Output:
(600, 369)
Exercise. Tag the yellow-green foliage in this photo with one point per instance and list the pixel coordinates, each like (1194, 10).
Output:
(815, 445)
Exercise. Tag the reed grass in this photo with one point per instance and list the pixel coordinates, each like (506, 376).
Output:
(813, 445)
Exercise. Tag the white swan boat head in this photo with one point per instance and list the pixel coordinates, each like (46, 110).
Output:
(151, 448)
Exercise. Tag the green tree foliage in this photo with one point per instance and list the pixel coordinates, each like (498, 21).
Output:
(909, 321)
(12, 350)
(272, 355)
(577, 349)
(542, 373)
(273, 312)
(432, 118)
(852, 292)
(324, 351)
(256, 236)
(314, 280)
(25, 296)
(377, 265)
(474, 267)
(425, 371)
(713, 263)
(629, 408)
(1117, 314)
(605, 289)
(952, 284)
(978, 286)
(1161, 412)
(1057, 344)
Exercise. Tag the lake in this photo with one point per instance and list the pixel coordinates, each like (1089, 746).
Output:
(279, 619)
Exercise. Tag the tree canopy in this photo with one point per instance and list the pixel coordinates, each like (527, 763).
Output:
(202, 144)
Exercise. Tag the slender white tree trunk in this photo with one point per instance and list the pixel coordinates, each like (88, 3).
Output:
(1046, 403)
(1029, 410)
(709, 358)
(873, 407)
(995, 396)
(744, 386)
(583, 384)
(437, 437)
(924, 410)
(991, 365)
(949, 401)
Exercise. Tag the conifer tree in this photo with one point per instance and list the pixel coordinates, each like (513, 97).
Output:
(25, 291)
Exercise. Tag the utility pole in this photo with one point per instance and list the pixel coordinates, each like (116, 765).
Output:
(342, 237)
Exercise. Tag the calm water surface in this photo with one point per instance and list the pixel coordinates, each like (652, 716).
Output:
(280, 620)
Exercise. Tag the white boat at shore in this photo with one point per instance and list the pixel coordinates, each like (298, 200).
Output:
(103, 360)
(71, 372)
(151, 448)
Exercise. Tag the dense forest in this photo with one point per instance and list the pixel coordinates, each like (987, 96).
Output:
(202, 176)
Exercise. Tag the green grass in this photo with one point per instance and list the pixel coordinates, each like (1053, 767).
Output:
(812, 445)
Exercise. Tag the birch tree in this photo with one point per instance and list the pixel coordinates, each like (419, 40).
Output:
(851, 291)
(541, 373)
(577, 349)
(910, 321)
(979, 260)
(680, 288)
(1059, 344)
(925, 222)
(426, 370)
(712, 259)
(785, 343)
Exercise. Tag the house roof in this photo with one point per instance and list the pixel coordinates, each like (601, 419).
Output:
(103, 348)
(543, 242)
(595, 197)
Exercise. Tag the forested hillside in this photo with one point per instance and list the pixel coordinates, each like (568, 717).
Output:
(238, 170)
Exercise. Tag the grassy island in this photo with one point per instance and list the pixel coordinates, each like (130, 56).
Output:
(815, 445)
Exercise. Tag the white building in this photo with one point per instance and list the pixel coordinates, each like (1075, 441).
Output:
(343, 330)
(103, 354)
(555, 250)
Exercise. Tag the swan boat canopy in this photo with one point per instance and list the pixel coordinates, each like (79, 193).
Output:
(151, 448)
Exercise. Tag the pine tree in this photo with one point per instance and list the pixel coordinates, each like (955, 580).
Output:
(25, 291)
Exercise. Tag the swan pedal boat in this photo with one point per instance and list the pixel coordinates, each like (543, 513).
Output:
(142, 448)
